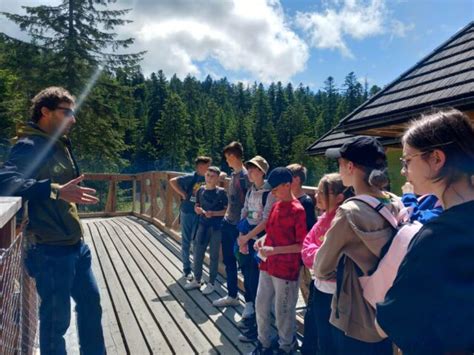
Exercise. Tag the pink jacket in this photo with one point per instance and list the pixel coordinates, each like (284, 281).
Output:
(314, 238)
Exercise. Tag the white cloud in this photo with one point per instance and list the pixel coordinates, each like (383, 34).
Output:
(248, 38)
(244, 36)
(400, 29)
(343, 19)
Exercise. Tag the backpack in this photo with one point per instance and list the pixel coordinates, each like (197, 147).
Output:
(264, 196)
(376, 285)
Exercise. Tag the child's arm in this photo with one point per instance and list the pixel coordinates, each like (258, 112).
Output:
(198, 209)
(243, 239)
(259, 243)
(335, 241)
(308, 251)
(175, 186)
(220, 213)
(267, 251)
(300, 233)
(197, 206)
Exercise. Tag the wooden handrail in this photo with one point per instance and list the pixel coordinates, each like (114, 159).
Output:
(151, 192)
(154, 201)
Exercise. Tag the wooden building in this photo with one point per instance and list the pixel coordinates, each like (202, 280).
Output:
(444, 78)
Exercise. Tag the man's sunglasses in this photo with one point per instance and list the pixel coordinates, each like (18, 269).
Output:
(68, 112)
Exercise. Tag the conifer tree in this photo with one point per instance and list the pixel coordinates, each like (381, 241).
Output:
(266, 140)
(72, 30)
(171, 132)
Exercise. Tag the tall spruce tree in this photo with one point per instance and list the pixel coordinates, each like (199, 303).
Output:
(78, 32)
(171, 131)
(76, 35)
(266, 140)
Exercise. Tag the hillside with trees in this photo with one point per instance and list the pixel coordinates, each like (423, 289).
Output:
(129, 122)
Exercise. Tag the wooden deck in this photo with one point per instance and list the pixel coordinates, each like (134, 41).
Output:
(145, 307)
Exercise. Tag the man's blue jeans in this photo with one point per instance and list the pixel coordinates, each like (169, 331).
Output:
(188, 225)
(62, 272)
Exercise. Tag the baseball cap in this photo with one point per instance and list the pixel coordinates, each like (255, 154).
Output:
(362, 150)
(259, 162)
(278, 176)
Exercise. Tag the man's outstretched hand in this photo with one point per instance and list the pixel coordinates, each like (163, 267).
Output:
(72, 192)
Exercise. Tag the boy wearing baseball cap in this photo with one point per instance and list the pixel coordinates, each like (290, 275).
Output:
(279, 272)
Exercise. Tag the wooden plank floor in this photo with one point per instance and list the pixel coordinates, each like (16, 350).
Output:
(145, 307)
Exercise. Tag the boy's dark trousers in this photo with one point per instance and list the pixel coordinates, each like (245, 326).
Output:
(229, 238)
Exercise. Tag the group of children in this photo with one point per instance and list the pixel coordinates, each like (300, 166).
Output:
(269, 230)
(260, 227)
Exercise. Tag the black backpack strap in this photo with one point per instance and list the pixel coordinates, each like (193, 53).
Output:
(199, 193)
(339, 276)
(264, 198)
(243, 186)
(190, 187)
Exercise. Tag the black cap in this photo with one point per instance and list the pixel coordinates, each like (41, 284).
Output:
(362, 150)
(278, 176)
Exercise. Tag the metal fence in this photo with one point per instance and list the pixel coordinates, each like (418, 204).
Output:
(18, 303)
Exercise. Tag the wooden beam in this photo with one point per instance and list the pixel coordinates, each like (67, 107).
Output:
(109, 177)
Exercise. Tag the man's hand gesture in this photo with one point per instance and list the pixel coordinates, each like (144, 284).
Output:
(72, 192)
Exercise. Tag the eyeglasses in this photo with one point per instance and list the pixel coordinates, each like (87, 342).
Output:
(68, 112)
(407, 159)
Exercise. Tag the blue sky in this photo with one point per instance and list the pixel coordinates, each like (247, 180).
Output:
(288, 40)
(383, 57)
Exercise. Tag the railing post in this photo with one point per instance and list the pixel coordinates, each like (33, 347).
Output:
(153, 194)
(111, 203)
(142, 194)
(168, 203)
(134, 192)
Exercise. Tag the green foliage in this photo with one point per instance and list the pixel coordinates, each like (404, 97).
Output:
(128, 122)
(170, 130)
(72, 31)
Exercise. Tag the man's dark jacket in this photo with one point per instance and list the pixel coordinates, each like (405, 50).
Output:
(35, 168)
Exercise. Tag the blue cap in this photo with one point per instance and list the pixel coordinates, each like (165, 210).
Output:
(278, 176)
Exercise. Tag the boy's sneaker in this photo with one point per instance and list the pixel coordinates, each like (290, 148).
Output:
(226, 301)
(208, 289)
(294, 347)
(192, 285)
(260, 350)
(246, 323)
(248, 336)
(249, 311)
(188, 275)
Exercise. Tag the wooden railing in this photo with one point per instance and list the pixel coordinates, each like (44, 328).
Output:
(149, 197)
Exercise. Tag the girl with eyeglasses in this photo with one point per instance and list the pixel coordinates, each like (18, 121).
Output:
(430, 307)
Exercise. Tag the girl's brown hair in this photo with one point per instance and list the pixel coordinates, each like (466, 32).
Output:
(332, 184)
(451, 132)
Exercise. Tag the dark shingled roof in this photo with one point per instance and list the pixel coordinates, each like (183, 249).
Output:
(334, 139)
(443, 78)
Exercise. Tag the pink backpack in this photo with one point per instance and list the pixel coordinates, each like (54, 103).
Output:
(377, 284)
